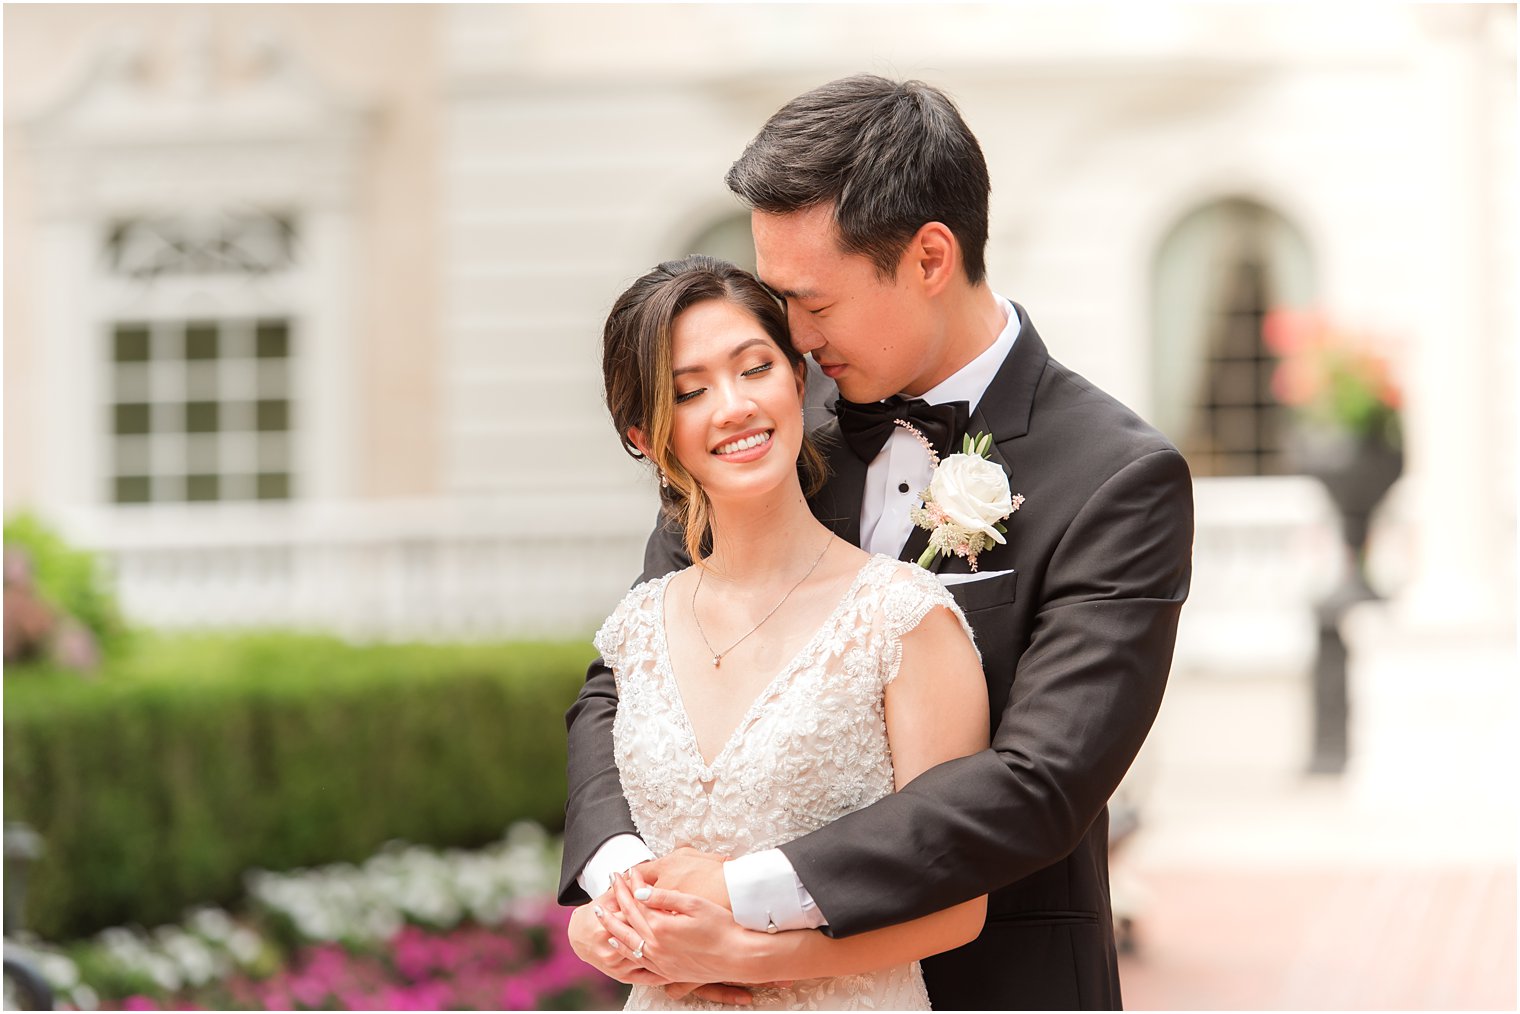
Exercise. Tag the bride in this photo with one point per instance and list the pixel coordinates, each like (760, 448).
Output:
(785, 680)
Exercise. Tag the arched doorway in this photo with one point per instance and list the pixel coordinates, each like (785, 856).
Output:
(1216, 275)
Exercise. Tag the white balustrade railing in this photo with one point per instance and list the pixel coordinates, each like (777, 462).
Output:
(1266, 549)
(373, 571)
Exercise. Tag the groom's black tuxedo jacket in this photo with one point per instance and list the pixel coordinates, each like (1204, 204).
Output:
(1076, 638)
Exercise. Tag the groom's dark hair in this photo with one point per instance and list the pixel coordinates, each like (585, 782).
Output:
(890, 156)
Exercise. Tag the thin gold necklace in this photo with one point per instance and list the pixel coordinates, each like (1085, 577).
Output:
(717, 656)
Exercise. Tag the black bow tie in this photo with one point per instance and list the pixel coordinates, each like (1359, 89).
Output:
(866, 427)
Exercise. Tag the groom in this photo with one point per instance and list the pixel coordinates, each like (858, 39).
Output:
(869, 203)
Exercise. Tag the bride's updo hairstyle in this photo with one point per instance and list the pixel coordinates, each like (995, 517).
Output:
(640, 391)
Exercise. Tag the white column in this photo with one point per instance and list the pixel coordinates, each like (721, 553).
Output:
(1457, 579)
(72, 420)
(329, 361)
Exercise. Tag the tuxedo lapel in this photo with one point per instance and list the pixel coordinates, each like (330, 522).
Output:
(837, 504)
(1008, 402)
(980, 424)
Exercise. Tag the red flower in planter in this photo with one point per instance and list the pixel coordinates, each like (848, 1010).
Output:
(1332, 377)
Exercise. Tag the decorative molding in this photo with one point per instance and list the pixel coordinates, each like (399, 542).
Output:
(113, 139)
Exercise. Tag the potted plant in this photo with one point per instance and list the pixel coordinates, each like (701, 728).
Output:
(1345, 402)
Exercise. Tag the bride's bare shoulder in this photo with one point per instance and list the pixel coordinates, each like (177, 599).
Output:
(850, 558)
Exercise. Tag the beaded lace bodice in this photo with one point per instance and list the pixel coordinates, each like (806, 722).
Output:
(811, 748)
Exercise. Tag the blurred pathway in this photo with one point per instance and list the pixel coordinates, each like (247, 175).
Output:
(1390, 887)
(1338, 939)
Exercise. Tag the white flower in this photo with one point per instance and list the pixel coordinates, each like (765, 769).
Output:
(194, 959)
(966, 502)
(163, 971)
(120, 943)
(244, 945)
(371, 902)
(60, 972)
(973, 492)
(211, 923)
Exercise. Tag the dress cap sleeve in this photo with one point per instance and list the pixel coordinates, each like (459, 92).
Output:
(613, 634)
(911, 595)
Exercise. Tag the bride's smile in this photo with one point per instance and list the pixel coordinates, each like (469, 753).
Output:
(738, 448)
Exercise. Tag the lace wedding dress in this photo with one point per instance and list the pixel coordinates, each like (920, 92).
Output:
(811, 748)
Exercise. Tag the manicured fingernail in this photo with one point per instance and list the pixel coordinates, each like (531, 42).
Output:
(612, 942)
(596, 910)
(642, 893)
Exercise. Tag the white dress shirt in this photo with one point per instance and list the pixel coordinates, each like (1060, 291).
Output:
(763, 888)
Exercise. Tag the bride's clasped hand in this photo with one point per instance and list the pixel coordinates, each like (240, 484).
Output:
(684, 942)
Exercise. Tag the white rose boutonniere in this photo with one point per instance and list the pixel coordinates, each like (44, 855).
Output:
(967, 501)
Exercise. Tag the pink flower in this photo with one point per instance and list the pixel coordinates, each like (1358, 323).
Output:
(520, 965)
(1331, 375)
(1289, 332)
(518, 995)
(1297, 382)
(413, 954)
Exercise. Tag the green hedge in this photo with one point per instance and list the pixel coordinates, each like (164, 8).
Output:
(158, 784)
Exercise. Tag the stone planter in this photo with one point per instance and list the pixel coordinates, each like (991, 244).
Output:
(1358, 471)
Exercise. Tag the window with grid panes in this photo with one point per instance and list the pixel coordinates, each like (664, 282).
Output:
(201, 407)
(1238, 426)
(1217, 274)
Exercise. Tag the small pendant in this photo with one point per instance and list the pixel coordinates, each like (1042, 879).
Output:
(717, 661)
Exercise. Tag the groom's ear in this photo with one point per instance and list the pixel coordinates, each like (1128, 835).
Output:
(934, 257)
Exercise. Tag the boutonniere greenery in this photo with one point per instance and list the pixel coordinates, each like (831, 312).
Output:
(967, 501)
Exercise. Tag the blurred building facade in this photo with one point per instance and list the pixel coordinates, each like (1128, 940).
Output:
(302, 304)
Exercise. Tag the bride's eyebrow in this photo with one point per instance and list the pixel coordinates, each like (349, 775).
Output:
(735, 353)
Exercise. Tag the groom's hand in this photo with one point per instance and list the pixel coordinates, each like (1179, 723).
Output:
(689, 871)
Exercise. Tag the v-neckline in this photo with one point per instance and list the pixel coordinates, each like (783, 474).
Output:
(770, 690)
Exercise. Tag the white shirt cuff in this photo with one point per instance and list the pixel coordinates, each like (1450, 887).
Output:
(765, 891)
(618, 853)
